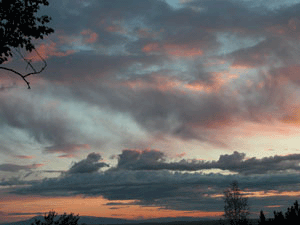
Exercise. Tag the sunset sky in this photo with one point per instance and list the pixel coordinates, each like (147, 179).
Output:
(151, 108)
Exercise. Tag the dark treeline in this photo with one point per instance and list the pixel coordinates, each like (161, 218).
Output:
(291, 216)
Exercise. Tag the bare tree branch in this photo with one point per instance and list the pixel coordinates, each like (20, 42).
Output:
(24, 76)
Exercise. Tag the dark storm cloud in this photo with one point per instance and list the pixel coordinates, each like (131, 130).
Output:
(88, 165)
(181, 191)
(235, 162)
(146, 177)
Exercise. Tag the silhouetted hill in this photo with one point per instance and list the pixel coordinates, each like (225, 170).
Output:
(83, 219)
(89, 220)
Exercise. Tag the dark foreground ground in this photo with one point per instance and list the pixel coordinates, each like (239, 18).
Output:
(205, 222)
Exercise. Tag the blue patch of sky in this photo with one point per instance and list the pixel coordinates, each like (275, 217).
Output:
(232, 42)
(174, 3)
(270, 4)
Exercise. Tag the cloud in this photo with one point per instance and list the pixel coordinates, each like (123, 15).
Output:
(132, 159)
(90, 36)
(287, 73)
(66, 148)
(207, 104)
(173, 49)
(24, 156)
(235, 162)
(34, 116)
(88, 165)
(43, 122)
(148, 177)
(26, 214)
(7, 167)
(47, 50)
(180, 191)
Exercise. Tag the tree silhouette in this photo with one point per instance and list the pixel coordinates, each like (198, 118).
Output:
(236, 208)
(262, 218)
(51, 219)
(19, 26)
(291, 216)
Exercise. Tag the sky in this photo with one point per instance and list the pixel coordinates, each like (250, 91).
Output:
(151, 108)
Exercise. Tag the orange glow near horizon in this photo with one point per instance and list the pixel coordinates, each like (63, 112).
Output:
(263, 194)
(89, 206)
(273, 206)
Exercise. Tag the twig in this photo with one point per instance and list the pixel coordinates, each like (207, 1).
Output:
(23, 76)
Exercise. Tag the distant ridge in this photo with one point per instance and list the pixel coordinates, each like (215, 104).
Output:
(90, 220)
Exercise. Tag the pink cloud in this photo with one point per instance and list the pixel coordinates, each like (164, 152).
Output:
(34, 166)
(175, 85)
(251, 60)
(290, 29)
(146, 33)
(292, 115)
(279, 30)
(24, 156)
(90, 36)
(173, 49)
(68, 149)
(182, 50)
(219, 80)
(116, 28)
(47, 50)
(66, 156)
(151, 47)
(291, 73)
(156, 82)
(181, 155)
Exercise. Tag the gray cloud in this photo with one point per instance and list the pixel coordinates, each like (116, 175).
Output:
(88, 165)
(169, 113)
(24, 156)
(147, 177)
(66, 148)
(181, 191)
(16, 168)
(235, 162)
(42, 123)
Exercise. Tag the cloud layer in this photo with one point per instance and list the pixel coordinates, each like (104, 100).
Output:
(149, 178)
(198, 78)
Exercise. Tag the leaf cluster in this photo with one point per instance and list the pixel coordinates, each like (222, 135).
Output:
(19, 25)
